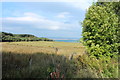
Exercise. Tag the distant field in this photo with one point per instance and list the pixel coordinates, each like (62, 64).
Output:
(64, 48)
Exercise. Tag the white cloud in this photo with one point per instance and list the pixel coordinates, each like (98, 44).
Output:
(63, 15)
(34, 20)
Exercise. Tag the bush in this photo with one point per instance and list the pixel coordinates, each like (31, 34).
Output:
(100, 30)
(100, 68)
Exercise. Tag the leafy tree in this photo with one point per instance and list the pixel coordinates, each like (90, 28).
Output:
(100, 30)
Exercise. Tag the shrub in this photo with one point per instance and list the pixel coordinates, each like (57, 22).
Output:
(100, 30)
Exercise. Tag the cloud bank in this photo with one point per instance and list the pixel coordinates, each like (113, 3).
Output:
(34, 20)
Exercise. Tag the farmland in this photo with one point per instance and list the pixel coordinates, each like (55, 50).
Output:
(44, 47)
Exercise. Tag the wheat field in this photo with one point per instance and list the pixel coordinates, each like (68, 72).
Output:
(64, 48)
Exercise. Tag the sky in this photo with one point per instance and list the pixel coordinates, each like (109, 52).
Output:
(44, 19)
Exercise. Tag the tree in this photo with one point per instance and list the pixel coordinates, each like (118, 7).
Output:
(100, 30)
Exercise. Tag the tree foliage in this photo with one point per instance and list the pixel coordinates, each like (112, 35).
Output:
(101, 29)
(9, 37)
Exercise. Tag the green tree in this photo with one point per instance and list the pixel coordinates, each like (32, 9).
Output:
(100, 30)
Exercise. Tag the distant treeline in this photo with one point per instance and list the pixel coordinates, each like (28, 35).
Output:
(9, 37)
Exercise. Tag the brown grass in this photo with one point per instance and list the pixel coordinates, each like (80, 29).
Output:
(64, 48)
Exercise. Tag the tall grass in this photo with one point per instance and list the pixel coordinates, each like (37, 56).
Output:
(17, 66)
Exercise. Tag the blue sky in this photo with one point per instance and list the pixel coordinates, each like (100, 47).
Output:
(44, 19)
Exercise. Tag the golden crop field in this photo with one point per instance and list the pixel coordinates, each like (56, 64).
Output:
(64, 48)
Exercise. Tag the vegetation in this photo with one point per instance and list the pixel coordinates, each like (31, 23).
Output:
(17, 65)
(100, 67)
(16, 61)
(9, 37)
(44, 47)
(101, 37)
(69, 60)
(16, 57)
(101, 30)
